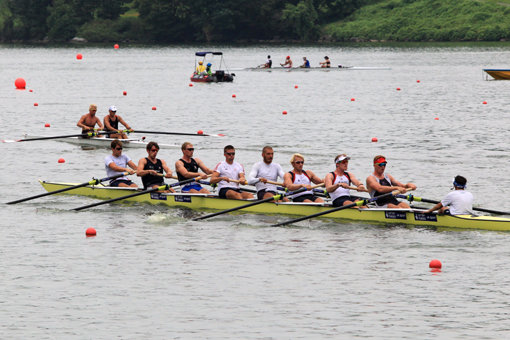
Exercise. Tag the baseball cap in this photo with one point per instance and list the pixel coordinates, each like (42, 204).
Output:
(341, 157)
(113, 108)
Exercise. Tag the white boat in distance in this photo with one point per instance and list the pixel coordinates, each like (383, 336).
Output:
(326, 69)
(104, 142)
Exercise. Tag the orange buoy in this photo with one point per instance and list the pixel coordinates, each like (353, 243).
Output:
(200, 132)
(284, 112)
(79, 56)
(374, 139)
(116, 46)
(47, 125)
(36, 104)
(20, 83)
(435, 264)
(61, 160)
(90, 232)
(124, 93)
(153, 108)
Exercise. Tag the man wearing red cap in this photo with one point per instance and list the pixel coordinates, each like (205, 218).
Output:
(379, 183)
(288, 63)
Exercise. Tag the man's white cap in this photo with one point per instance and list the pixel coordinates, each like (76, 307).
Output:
(113, 108)
(341, 158)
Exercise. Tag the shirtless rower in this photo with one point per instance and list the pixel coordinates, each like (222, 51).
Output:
(265, 171)
(89, 120)
(288, 63)
(111, 124)
(379, 183)
(298, 178)
(338, 183)
(227, 170)
(187, 167)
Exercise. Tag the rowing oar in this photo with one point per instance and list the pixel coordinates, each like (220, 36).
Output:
(162, 188)
(275, 198)
(92, 182)
(89, 134)
(358, 203)
(411, 198)
(177, 133)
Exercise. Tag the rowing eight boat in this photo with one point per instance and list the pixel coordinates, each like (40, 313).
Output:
(371, 215)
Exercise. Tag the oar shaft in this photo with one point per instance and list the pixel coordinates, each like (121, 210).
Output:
(90, 134)
(169, 133)
(92, 182)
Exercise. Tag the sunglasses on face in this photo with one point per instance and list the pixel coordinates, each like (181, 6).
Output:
(382, 164)
(190, 149)
(230, 153)
(299, 162)
(154, 150)
(118, 148)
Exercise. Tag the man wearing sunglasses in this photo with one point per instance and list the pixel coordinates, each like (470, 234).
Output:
(117, 163)
(187, 167)
(338, 182)
(226, 171)
(298, 178)
(379, 183)
(152, 170)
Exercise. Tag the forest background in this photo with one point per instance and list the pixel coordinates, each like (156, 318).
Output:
(253, 21)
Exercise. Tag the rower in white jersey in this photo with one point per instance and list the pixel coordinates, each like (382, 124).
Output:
(338, 183)
(265, 171)
(298, 178)
(229, 170)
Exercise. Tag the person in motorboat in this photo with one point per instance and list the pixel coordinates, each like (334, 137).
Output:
(117, 163)
(152, 169)
(298, 178)
(200, 70)
(287, 63)
(457, 202)
(338, 183)
(188, 167)
(208, 69)
(111, 124)
(228, 170)
(379, 183)
(88, 121)
(326, 63)
(306, 63)
(264, 171)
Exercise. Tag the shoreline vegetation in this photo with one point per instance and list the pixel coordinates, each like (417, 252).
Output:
(253, 22)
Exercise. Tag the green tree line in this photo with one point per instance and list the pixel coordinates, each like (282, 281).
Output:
(169, 21)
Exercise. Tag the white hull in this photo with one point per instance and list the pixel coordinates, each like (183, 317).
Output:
(104, 142)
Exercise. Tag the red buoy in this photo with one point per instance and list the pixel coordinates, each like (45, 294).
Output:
(417, 81)
(61, 160)
(30, 90)
(116, 46)
(47, 125)
(295, 86)
(200, 132)
(233, 96)
(190, 85)
(124, 93)
(398, 88)
(435, 264)
(353, 99)
(484, 102)
(20, 83)
(90, 232)
(36, 104)
(437, 118)
(79, 56)
(374, 139)
(153, 108)
(284, 112)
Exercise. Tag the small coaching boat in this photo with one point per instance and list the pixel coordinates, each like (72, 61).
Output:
(498, 73)
(219, 76)
(415, 217)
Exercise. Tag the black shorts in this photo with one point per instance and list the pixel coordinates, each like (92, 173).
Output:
(261, 193)
(387, 200)
(223, 192)
(339, 201)
(301, 198)
(118, 181)
(150, 185)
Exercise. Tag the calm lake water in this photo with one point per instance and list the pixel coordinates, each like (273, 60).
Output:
(152, 273)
